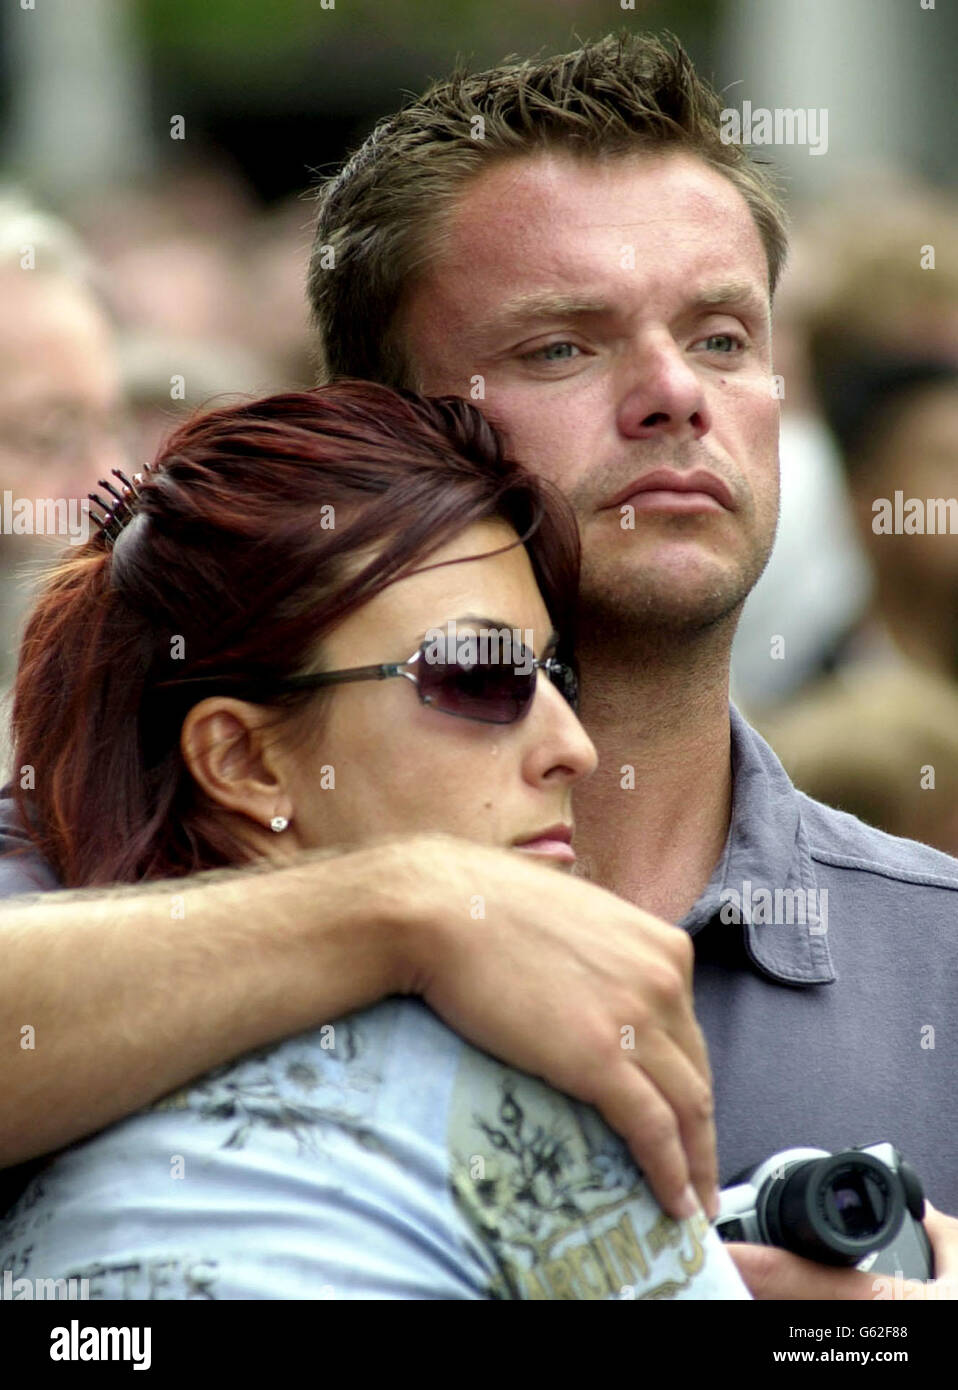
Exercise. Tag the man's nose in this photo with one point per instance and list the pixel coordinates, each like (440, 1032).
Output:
(663, 394)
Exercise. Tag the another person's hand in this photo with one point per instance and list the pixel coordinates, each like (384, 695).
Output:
(771, 1273)
(569, 982)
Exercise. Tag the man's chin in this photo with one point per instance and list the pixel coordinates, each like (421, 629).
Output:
(657, 609)
(684, 592)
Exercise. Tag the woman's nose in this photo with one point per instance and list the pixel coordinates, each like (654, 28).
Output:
(558, 744)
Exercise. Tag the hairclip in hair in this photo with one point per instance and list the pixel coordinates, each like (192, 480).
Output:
(119, 512)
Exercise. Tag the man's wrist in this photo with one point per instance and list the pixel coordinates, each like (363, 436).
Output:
(416, 907)
(384, 906)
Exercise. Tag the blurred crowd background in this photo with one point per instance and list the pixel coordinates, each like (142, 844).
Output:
(157, 156)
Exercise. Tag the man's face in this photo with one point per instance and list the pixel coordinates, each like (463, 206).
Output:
(59, 388)
(617, 314)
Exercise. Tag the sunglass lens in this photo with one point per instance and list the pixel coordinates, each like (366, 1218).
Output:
(490, 691)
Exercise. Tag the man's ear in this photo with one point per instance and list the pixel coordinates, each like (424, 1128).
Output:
(230, 748)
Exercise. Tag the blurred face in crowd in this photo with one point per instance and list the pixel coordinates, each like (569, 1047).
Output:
(59, 388)
(398, 765)
(915, 452)
(617, 314)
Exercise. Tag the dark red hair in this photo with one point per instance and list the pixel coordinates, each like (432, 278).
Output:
(227, 570)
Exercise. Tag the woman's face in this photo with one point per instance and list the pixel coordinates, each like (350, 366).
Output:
(381, 762)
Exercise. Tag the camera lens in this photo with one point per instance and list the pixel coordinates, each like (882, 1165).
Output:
(855, 1204)
(859, 1206)
(834, 1210)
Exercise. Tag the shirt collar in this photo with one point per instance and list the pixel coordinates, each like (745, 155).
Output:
(765, 879)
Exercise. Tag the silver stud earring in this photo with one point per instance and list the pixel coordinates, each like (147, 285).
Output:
(279, 824)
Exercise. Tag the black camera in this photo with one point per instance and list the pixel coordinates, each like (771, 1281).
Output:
(861, 1207)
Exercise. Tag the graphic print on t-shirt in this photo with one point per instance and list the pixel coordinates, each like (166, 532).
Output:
(557, 1196)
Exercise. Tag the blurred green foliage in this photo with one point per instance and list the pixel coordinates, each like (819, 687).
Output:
(251, 36)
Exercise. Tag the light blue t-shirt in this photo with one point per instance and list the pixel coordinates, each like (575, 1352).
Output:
(376, 1157)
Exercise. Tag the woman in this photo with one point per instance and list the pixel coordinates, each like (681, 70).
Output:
(322, 619)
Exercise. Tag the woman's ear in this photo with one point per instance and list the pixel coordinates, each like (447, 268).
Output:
(230, 748)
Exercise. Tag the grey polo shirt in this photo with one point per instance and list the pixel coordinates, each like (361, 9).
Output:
(841, 1028)
(826, 977)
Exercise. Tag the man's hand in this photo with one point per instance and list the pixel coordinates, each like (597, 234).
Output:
(562, 979)
(771, 1273)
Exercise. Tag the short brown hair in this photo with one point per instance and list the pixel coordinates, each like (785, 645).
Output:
(376, 229)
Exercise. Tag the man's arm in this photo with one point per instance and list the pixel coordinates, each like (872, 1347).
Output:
(111, 998)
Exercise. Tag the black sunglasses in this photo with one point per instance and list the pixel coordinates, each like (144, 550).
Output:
(488, 691)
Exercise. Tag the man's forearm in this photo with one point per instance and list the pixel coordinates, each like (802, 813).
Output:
(126, 995)
(111, 998)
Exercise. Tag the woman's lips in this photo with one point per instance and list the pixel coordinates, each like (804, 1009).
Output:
(550, 849)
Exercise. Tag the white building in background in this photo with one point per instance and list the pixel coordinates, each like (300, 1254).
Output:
(79, 97)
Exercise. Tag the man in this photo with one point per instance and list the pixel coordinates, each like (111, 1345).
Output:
(544, 238)
(60, 398)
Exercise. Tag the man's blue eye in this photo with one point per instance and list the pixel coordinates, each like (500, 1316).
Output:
(564, 350)
(716, 338)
